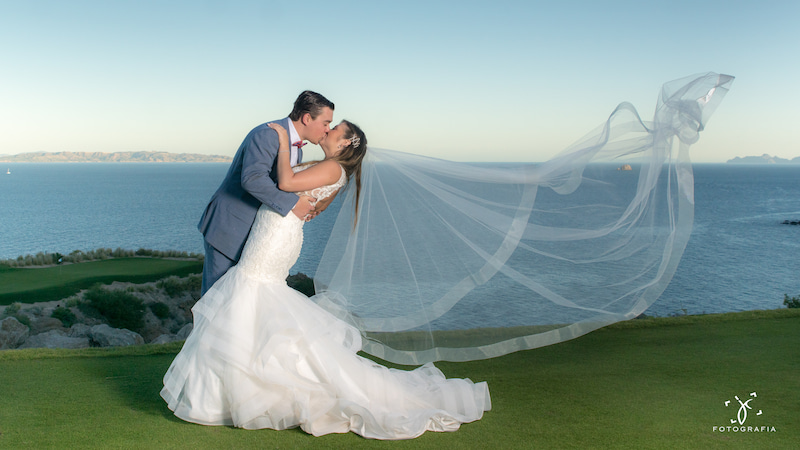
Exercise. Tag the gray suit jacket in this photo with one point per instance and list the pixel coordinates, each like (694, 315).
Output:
(251, 181)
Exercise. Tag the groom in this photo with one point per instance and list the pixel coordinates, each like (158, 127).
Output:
(251, 182)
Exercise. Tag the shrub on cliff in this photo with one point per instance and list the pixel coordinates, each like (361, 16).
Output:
(121, 309)
(76, 256)
(65, 315)
(12, 310)
(175, 286)
(160, 309)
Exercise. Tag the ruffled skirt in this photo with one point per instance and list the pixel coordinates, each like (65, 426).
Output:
(262, 355)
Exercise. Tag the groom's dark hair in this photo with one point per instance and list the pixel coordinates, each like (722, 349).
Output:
(309, 102)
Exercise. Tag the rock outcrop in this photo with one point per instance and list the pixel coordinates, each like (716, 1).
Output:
(105, 336)
(12, 333)
(41, 325)
(33, 325)
(56, 339)
(182, 334)
(83, 336)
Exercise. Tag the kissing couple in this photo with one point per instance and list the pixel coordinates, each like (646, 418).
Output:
(262, 355)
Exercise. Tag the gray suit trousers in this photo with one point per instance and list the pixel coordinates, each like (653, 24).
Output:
(215, 265)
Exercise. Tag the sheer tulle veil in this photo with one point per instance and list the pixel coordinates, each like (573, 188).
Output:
(460, 261)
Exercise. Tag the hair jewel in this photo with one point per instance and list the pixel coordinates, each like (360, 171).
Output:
(355, 141)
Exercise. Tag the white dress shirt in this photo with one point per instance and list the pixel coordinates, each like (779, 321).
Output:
(293, 137)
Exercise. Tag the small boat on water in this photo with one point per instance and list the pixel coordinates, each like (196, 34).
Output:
(8, 171)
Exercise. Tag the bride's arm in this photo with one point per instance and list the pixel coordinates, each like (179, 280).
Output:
(321, 174)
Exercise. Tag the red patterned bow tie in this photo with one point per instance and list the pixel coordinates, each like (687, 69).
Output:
(299, 144)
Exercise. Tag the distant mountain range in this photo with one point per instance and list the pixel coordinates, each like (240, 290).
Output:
(764, 159)
(121, 157)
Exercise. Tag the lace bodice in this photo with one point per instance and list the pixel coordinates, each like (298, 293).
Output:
(323, 191)
(275, 241)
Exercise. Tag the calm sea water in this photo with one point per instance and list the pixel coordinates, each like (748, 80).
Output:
(740, 257)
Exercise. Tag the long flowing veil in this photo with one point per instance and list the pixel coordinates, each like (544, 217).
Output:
(463, 261)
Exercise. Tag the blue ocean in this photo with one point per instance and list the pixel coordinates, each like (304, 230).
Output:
(740, 256)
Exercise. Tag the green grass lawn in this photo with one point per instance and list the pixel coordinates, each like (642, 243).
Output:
(30, 285)
(653, 383)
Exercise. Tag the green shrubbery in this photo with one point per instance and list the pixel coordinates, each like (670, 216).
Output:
(160, 309)
(791, 302)
(121, 309)
(65, 315)
(175, 286)
(142, 288)
(47, 259)
(12, 310)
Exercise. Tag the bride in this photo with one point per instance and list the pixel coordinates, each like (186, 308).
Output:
(262, 355)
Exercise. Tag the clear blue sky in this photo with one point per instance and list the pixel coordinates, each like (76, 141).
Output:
(462, 80)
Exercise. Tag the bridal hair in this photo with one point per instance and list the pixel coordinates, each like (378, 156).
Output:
(351, 156)
(309, 102)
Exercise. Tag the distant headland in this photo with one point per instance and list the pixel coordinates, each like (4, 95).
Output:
(764, 159)
(120, 157)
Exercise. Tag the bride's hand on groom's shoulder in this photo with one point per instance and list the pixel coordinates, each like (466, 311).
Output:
(283, 136)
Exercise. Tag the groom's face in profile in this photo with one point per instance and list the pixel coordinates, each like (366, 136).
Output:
(317, 128)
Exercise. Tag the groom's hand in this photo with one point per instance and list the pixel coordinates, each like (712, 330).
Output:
(322, 205)
(304, 207)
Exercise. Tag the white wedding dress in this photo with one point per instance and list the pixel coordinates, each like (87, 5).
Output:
(262, 355)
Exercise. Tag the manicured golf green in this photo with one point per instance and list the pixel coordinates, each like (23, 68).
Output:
(30, 285)
(652, 383)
